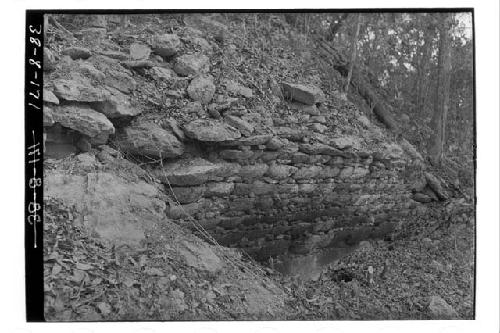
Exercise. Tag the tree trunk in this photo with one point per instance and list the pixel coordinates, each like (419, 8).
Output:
(354, 46)
(441, 104)
(423, 66)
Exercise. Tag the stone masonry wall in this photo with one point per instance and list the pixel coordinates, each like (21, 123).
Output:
(295, 198)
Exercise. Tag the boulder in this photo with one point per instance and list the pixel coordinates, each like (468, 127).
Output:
(191, 64)
(309, 95)
(208, 130)
(237, 89)
(117, 105)
(201, 89)
(149, 139)
(200, 256)
(49, 97)
(190, 172)
(166, 45)
(243, 126)
(139, 51)
(85, 120)
(120, 80)
(439, 309)
(202, 44)
(77, 52)
(116, 209)
(79, 89)
(163, 73)
(170, 124)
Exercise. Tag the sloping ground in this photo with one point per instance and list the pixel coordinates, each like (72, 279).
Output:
(152, 270)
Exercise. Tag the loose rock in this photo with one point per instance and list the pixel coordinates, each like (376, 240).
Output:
(201, 89)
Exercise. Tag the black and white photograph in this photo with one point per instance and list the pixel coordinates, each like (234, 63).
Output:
(250, 165)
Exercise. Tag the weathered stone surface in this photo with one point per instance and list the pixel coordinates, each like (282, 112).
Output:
(318, 119)
(84, 120)
(166, 45)
(329, 172)
(219, 189)
(299, 158)
(49, 60)
(163, 73)
(206, 130)
(319, 148)
(257, 187)
(49, 97)
(320, 128)
(234, 154)
(137, 64)
(188, 172)
(309, 95)
(149, 139)
(139, 51)
(171, 124)
(48, 119)
(185, 195)
(345, 142)
(360, 172)
(88, 69)
(253, 171)
(307, 172)
(77, 52)
(255, 140)
(200, 256)
(115, 55)
(292, 134)
(115, 208)
(191, 64)
(201, 89)
(280, 171)
(439, 309)
(243, 126)
(117, 105)
(202, 44)
(275, 144)
(78, 89)
(237, 89)
(120, 80)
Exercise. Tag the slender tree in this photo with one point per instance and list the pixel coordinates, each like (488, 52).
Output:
(354, 47)
(424, 57)
(441, 104)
